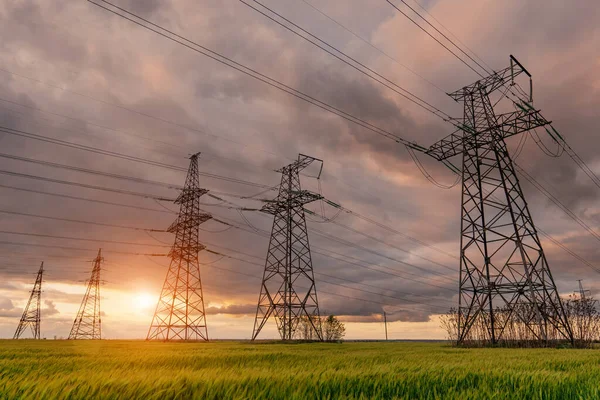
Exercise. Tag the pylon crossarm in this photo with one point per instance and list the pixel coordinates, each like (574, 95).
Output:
(507, 125)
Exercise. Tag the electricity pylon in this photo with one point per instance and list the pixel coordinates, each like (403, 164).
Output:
(88, 323)
(288, 287)
(582, 291)
(502, 263)
(180, 313)
(32, 314)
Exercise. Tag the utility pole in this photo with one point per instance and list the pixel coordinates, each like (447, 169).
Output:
(288, 288)
(88, 323)
(179, 314)
(502, 263)
(385, 324)
(32, 315)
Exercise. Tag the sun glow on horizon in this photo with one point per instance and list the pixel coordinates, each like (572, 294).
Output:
(144, 301)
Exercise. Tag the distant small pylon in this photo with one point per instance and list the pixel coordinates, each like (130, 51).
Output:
(88, 324)
(32, 313)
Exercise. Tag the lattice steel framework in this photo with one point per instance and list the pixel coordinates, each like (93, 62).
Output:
(32, 315)
(288, 288)
(502, 263)
(180, 313)
(88, 323)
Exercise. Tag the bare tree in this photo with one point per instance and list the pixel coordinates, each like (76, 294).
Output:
(581, 312)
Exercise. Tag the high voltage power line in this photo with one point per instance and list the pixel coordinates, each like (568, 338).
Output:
(434, 38)
(194, 46)
(574, 157)
(147, 196)
(367, 42)
(357, 65)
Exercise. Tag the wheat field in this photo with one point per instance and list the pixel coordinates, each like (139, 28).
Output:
(242, 370)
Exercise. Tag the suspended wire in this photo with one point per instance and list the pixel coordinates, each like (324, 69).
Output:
(115, 105)
(426, 174)
(245, 70)
(323, 220)
(85, 199)
(542, 146)
(123, 156)
(80, 221)
(332, 255)
(91, 149)
(347, 243)
(155, 238)
(84, 185)
(386, 82)
(79, 249)
(434, 38)
(321, 201)
(438, 31)
(90, 171)
(394, 247)
(147, 196)
(382, 255)
(556, 201)
(78, 238)
(217, 231)
(223, 255)
(372, 45)
(520, 146)
(87, 122)
(453, 35)
(247, 222)
(341, 285)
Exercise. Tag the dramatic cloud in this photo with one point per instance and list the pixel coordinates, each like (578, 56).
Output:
(74, 72)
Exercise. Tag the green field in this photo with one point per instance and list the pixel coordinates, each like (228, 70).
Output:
(232, 370)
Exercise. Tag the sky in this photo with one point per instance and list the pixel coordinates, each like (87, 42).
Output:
(72, 71)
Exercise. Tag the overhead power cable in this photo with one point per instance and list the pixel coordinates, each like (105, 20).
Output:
(436, 39)
(342, 285)
(569, 251)
(79, 239)
(556, 201)
(84, 185)
(345, 258)
(120, 106)
(123, 156)
(441, 33)
(90, 171)
(79, 248)
(368, 43)
(77, 221)
(170, 35)
(453, 35)
(357, 65)
(65, 196)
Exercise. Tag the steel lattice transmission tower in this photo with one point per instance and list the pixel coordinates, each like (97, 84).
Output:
(180, 313)
(502, 263)
(88, 323)
(288, 287)
(32, 314)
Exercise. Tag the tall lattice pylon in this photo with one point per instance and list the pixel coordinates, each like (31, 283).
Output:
(88, 323)
(504, 274)
(180, 313)
(32, 314)
(288, 289)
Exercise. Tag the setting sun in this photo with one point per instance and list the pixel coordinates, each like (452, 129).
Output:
(144, 301)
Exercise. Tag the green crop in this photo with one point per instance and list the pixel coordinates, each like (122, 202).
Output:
(242, 370)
